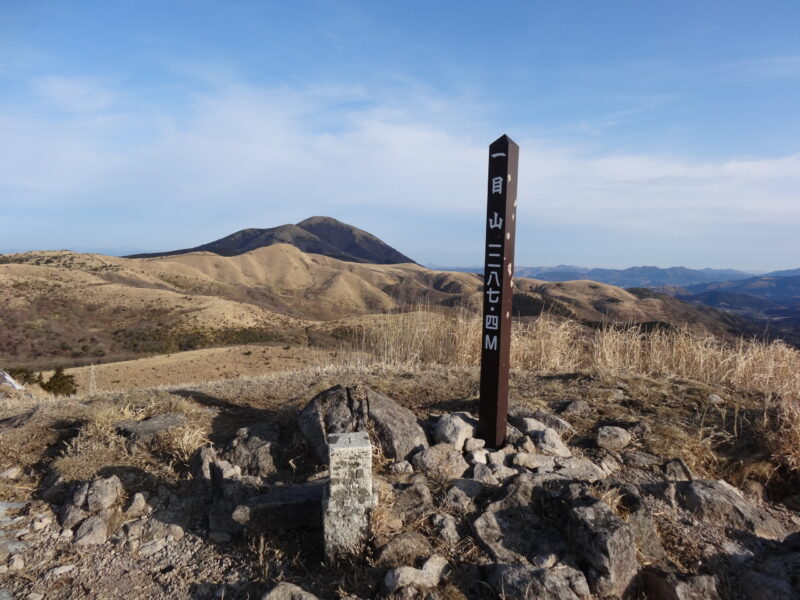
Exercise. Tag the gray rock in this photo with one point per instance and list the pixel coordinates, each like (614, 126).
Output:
(526, 445)
(288, 591)
(441, 462)
(104, 493)
(445, 527)
(774, 574)
(613, 438)
(478, 457)
(640, 460)
(414, 502)
(576, 408)
(677, 470)
(11, 473)
(722, 504)
(344, 410)
(426, 577)
(283, 507)
(137, 505)
(500, 456)
(396, 427)
(528, 425)
(143, 431)
(92, 531)
(513, 435)
(668, 585)
(581, 469)
(502, 473)
(641, 521)
(459, 498)
(549, 442)
(524, 582)
(455, 429)
(606, 543)
(253, 449)
(534, 462)
(335, 410)
(473, 444)
(404, 549)
(483, 474)
(200, 463)
(552, 421)
(401, 467)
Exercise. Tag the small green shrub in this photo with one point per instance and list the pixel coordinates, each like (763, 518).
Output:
(59, 383)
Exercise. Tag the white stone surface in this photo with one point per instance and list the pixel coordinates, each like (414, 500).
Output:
(349, 497)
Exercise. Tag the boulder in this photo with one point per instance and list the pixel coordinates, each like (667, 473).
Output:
(143, 431)
(552, 421)
(396, 427)
(483, 474)
(455, 429)
(773, 575)
(444, 526)
(613, 438)
(476, 457)
(549, 442)
(413, 502)
(720, 503)
(473, 444)
(677, 470)
(523, 582)
(576, 408)
(93, 530)
(347, 409)
(200, 463)
(253, 449)
(528, 425)
(534, 462)
(404, 549)
(283, 507)
(427, 577)
(581, 469)
(606, 543)
(662, 584)
(440, 462)
(336, 410)
(288, 591)
(104, 493)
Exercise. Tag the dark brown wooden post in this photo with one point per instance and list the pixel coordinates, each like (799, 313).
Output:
(498, 271)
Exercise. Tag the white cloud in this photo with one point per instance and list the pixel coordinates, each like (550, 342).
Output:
(73, 94)
(275, 155)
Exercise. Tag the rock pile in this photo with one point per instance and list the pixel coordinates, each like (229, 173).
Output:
(539, 517)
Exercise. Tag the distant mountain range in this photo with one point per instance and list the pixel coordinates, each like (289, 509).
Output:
(316, 235)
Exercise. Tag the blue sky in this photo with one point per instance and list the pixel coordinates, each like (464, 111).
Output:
(663, 133)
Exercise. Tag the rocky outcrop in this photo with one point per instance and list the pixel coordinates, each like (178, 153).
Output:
(143, 432)
(347, 409)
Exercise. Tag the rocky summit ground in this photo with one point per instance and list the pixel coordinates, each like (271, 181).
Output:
(607, 487)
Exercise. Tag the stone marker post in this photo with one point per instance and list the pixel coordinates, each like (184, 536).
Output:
(497, 290)
(349, 498)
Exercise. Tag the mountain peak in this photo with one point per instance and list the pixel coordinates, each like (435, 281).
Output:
(315, 235)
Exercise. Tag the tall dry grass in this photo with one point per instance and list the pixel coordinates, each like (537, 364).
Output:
(549, 345)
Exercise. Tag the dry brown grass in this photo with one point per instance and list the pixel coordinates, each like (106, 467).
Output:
(549, 345)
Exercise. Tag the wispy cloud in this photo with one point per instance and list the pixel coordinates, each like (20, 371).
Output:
(73, 94)
(253, 156)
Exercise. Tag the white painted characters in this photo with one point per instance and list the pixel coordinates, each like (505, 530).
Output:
(497, 185)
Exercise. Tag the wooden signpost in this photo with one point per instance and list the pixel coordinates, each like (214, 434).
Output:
(498, 271)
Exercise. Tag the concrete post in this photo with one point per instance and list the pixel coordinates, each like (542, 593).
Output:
(349, 498)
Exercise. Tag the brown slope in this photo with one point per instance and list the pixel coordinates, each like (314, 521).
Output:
(85, 307)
